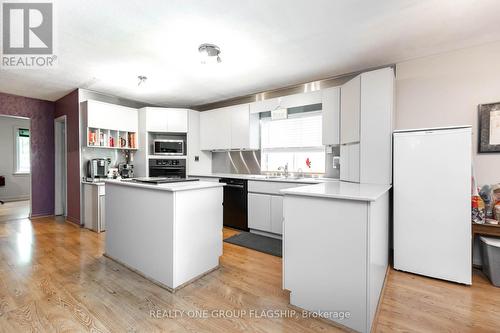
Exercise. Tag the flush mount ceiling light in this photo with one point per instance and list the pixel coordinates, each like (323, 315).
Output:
(209, 53)
(142, 79)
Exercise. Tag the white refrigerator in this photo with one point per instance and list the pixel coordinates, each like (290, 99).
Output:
(432, 202)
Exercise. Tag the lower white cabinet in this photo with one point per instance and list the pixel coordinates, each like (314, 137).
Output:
(259, 211)
(265, 212)
(277, 214)
(94, 196)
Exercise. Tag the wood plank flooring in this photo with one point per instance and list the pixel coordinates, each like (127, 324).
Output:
(14, 210)
(53, 277)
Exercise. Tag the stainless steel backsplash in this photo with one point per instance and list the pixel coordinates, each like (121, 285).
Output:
(237, 162)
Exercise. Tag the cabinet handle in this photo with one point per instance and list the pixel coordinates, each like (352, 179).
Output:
(235, 186)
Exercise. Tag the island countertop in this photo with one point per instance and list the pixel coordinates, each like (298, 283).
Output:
(340, 190)
(171, 187)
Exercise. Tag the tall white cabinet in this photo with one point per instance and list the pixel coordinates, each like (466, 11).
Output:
(366, 125)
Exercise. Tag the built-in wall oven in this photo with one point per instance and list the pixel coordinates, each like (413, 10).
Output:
(170, 168)
(168, 147)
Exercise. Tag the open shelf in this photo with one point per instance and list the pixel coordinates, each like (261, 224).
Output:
(111, 139)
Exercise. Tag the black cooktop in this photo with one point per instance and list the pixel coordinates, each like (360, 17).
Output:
(163, 180)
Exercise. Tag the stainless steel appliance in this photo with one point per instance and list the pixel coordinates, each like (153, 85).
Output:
(97, 168)
(126, 170)
(167, 168)
(235, 203)
(168, 147)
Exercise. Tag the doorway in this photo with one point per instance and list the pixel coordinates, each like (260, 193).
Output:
(15, 168)
(60, 150)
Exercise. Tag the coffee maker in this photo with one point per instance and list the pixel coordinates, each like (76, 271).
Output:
(97, 168)
(126, 170)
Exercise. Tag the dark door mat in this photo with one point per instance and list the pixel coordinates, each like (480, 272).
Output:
(256, 242)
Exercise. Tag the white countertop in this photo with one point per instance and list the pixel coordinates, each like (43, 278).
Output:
(99, 183)
(171, 187)
(340, 190)
(266, 179)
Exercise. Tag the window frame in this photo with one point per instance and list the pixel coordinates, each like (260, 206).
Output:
(18, 172)
(293, 149)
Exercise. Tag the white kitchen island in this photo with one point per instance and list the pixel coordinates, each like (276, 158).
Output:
(336, 249)
(168, 233)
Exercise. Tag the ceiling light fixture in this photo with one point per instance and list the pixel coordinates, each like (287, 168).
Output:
(142, 79)
(209, 53)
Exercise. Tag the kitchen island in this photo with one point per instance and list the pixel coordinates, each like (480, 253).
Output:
(169, 233)
(336, 249)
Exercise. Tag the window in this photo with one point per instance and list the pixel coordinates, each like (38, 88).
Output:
(22, 147)
(296, 141)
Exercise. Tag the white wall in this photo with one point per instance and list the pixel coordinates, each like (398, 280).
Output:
(17, 187)
(445, 90)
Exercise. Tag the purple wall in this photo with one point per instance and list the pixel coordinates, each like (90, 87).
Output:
(41, 114)
(69, 106)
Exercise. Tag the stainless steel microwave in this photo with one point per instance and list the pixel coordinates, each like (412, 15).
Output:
(168, 147)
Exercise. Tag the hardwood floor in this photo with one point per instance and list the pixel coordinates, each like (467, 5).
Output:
(14, 210)
(53, 277)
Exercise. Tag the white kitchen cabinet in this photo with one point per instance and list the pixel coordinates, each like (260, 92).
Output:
(166, 120)
(377, 125)
(215, 129)
(350, 106)
(177, 121)
(350, 163)
(331, 116)
(156, 120)
(259, 211)
(231, 127)
(110, 116)
(198, 162)
(344, 265)
(366, 113)
(244, 128)
(276, 214)
(94, 206)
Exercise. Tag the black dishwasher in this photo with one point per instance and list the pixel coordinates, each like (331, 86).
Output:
(235, 203)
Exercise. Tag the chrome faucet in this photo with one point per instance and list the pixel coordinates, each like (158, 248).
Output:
(284, 170)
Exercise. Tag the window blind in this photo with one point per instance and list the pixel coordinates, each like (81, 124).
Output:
(295, 132)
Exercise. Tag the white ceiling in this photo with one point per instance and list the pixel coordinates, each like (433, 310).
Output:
(266, 44)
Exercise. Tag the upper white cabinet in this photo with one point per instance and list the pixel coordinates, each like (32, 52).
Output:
(331, 115)
(244, 128)
(366, 115)
(350, 104)
(110, 116)
(215, 129)
(166, 120)
(231, 127)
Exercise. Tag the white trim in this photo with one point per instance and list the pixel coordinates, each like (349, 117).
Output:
(15, 160)
(57, 162)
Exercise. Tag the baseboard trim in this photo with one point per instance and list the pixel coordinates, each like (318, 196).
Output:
(14, 199)
(40, 216)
